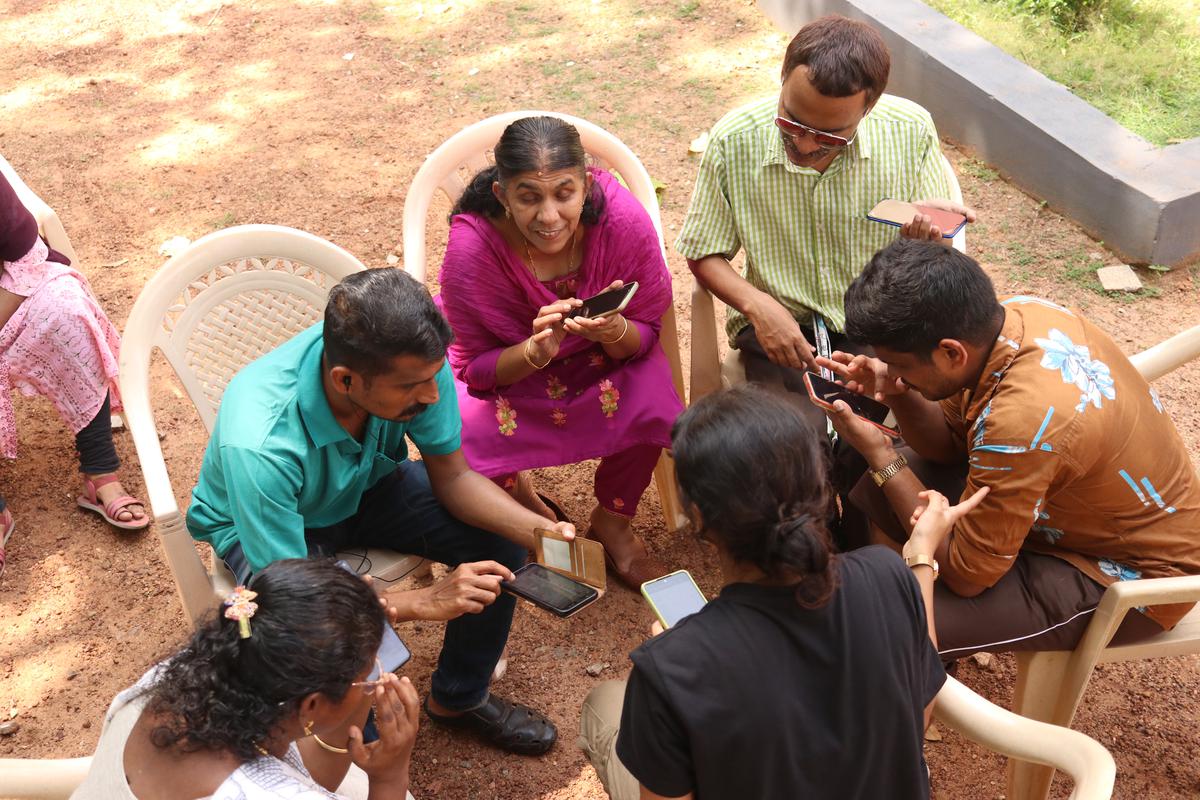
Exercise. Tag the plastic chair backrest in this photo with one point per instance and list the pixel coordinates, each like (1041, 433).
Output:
(227, 299)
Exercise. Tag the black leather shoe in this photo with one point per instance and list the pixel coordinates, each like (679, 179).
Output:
(509, 726)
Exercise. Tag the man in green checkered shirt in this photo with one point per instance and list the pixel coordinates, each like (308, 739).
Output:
(797, 200)
(791, 179)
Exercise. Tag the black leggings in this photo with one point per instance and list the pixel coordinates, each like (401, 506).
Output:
(97, 455)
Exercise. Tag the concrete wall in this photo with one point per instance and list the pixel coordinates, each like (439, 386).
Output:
(1142, 201)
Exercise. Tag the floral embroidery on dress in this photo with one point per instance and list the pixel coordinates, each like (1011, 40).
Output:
(1076, 365)
(596, 359)
(1119, 571)
(506, 415)
(609, 395)
(618, 503)
(559, 417)
(555, 389)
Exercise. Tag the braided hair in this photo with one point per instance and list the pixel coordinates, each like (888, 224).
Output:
(753, 467)
(316, 629)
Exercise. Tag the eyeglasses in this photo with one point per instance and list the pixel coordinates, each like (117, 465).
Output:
(826, 140)
(373, 680)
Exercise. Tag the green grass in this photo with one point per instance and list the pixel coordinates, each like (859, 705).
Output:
(688, 10)
(1139, 62)
(977, 169)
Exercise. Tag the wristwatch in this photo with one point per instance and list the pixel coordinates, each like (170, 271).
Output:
(882, 476)
(921, 558)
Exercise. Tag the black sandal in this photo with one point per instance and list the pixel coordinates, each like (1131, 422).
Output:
(509, 726)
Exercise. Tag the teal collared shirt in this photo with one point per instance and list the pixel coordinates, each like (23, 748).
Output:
(278, 461)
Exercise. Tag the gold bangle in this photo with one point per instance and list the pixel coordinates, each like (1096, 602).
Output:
(329, 747)
(624, 331)
(529, 360)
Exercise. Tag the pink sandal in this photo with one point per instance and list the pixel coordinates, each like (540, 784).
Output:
(91, 502)
(7, 526)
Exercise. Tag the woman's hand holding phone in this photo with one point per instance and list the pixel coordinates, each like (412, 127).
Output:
(602, 330)
(549, 331)
(386, 760)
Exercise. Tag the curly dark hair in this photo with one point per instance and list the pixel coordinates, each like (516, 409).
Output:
(316, 630)
(754, 468)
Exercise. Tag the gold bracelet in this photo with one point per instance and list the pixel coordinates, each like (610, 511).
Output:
(529, 360)
(624, 331)
(331, 748)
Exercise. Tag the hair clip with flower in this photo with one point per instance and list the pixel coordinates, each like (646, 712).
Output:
(239, 606)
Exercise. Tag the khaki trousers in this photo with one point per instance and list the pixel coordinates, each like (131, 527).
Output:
(598, 725)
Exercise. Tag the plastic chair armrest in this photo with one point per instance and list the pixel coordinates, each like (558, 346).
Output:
(42, 778)
(1088, 763)
(1121, 596)
(706, 353)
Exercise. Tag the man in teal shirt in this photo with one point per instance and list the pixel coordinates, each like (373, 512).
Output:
(309, 456)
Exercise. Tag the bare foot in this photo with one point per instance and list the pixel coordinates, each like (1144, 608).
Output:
(615, 532)
(134, 512)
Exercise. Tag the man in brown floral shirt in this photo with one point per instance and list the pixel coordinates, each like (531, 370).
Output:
(1088, 480)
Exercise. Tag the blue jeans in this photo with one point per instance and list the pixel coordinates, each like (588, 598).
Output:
(401, 513)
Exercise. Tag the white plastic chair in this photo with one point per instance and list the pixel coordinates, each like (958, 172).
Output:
(1050, 684)
(227, 299)
(1085, 760)
(57, 778)
(709, 371)
(450, 167)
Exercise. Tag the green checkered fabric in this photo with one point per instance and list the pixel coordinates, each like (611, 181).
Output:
(806, 233)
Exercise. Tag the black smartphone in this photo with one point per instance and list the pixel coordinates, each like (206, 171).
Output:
(607, 303)
(824, 393)
(392, 652)
(547, 589)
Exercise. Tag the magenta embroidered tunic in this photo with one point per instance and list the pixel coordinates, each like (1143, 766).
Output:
(583, 404)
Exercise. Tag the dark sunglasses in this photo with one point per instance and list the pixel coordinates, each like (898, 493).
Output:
(826, 140)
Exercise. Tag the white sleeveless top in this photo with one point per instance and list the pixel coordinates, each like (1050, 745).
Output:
(264, 778)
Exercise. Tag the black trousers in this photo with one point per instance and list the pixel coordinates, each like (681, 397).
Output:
(848, 524)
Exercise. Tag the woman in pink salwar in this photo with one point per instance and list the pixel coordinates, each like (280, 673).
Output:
(56, 341)
(537, 388)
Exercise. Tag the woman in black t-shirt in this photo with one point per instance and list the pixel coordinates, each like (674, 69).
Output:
(812, 674)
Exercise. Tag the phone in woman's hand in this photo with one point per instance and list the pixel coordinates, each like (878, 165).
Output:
(607, 303)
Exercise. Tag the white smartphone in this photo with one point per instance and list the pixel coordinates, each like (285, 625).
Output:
(673, 597)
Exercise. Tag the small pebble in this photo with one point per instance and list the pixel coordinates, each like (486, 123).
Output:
(9, 728)
(595, 669)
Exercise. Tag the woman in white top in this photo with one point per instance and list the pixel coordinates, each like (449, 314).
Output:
(277, 713)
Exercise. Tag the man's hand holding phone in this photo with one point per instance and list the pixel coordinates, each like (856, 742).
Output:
(923, 227)
(864, 375)
(780, 335)
(467, 590)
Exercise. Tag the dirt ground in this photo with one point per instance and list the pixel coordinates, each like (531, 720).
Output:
(140, 121)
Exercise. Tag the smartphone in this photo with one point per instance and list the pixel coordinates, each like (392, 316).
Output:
(823, 392)
(897, 213)
(547, 589)
(607, 303)
(673, 597)
(392, 653)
